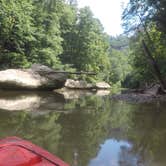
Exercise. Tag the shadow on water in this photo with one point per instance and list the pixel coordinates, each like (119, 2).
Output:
(87, 131)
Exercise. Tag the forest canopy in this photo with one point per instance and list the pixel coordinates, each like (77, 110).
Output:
(58, 34)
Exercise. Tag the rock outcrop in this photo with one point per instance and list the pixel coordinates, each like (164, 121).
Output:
(102, 85)
(38, 77)
(72, 84)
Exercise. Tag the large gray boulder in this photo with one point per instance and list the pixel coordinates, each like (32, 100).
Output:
(76, 84)
(102, 85)
(38, 77)
(79, 84)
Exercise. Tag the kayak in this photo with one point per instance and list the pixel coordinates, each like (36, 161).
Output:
(15, 151)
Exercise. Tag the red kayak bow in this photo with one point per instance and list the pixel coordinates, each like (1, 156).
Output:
(17, 152)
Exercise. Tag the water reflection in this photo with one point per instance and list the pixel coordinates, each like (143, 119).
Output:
(115, 153)
(30, 101)
(91, 131)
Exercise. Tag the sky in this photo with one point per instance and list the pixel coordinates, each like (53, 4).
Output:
(108, 12)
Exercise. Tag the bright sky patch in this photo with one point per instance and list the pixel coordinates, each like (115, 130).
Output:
(108, 12)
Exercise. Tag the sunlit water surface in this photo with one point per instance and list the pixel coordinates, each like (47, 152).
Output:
(88, 131)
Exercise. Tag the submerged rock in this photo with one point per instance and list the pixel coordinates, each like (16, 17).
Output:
(38, 77)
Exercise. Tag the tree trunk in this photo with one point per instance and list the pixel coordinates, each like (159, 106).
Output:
(154, 65)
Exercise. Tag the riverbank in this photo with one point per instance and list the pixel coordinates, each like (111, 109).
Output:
(138, 97)
(44, 78)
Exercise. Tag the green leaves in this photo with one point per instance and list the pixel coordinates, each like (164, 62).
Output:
(16, 30)
(145, 18)
(86, 45)
(54, 33)
(26, 31)
(119, 58)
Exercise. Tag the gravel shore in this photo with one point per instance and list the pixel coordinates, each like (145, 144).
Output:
(138, 97)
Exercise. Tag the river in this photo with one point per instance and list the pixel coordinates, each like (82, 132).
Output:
(87, 131)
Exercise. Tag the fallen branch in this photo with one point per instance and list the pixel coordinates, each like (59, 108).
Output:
(78, 73)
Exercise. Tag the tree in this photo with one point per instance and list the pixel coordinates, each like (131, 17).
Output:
(119, 58)
(16, 32)
(48, 34)
(141, 16)
(87, 45)
(149, 10)
(54, 33)
(29, 34)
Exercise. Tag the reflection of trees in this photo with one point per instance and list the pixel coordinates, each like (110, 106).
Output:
(84, 129)
(144, 126)
(148, 133)
(42, 130)
(120, 119)
(83, 124)
(127, 158)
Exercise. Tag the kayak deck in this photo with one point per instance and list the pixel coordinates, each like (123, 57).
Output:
(17, 152)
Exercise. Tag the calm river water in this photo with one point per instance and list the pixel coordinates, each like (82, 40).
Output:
(88, 131)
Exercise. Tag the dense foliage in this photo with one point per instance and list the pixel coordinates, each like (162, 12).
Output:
(145, 21)
(62, 36)
(119, 59)
(53, 33)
